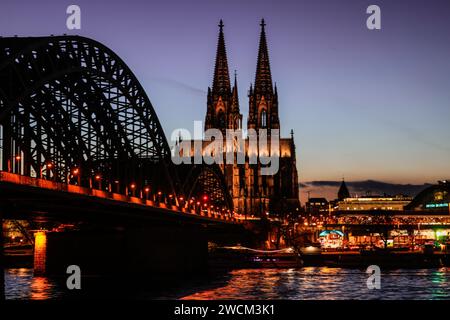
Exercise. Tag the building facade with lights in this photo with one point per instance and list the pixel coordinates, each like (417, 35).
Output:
(373, 203)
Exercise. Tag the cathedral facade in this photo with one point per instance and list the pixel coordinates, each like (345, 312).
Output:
(252, 192)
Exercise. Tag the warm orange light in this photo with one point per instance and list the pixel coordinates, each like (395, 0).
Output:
(76, 171)
(18, 158)
(40, 252)
(170, 196)
(181, 198)
(159, 193)
(205, 198)
(98, 177)
(132, 186)
(198, 203)
(49, 165)
(147, 189)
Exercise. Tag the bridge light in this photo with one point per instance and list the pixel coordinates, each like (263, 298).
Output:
(205, 198)
(181, 198)
(198, 203)
(147, 189)
(76, 171)
(170, 196)
(49, 165)
(18, 158)
(98, 177)
(159, 193)
(132, 186)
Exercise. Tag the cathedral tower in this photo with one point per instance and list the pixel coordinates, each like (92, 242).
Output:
(223, 105)
(263, 99)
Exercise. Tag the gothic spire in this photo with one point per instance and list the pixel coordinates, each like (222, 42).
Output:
(221, 82)
(263, 78)
(235, 97)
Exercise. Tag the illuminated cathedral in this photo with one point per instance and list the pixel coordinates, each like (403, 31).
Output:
(253, 193)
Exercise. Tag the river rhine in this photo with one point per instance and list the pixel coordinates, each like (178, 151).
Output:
(294, 284)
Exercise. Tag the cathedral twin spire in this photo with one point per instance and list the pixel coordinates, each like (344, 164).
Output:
(263, 101)
(263, 77)
(223, 102)
(221, 82)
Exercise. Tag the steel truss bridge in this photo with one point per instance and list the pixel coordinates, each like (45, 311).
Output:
(73, 114)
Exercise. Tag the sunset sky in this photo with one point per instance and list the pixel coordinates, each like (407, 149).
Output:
(363, 104)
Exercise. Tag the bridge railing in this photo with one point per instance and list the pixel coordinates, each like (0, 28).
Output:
(62, 187)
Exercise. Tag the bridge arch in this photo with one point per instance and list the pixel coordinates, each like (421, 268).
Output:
(69, 104)
(206, 180)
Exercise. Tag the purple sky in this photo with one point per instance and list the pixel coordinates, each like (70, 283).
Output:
(363, 104)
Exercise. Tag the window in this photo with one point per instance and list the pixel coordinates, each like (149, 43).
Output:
(263, 119)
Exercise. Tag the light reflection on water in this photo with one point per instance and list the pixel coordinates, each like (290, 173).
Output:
(298, 284)
(328, 284)
(22, 285)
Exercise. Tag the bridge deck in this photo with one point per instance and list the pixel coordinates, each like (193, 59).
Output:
(36, 191)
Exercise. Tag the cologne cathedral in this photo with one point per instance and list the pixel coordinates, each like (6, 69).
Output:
(253, 193)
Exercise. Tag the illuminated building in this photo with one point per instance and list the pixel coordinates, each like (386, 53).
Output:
(373, 203)
(433, 198)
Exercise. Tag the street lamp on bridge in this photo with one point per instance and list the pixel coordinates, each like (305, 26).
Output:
(47, 167)
(98, 178)
(133, 189)
(76, 174)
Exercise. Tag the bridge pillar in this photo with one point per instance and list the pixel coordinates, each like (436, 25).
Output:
(2, 260)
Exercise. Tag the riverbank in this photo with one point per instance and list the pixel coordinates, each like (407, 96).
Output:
(240, 258)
